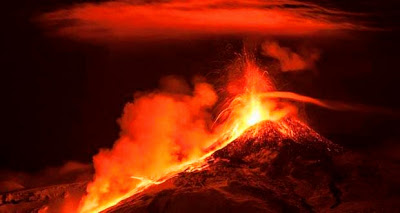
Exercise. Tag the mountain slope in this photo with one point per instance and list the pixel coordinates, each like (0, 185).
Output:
(271, 168)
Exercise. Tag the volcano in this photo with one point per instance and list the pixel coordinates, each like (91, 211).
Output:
(264, 170)
(228, 127)
(259, 158)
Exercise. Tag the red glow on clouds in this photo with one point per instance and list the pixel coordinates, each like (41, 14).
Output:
(180, 19)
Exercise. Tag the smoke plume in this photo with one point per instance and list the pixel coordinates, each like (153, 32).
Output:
(288, 59)
(159, 130)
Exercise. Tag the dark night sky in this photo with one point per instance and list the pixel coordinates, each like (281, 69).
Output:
(61, 98)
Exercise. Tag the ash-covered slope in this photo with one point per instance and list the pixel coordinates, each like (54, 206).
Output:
(273, 167)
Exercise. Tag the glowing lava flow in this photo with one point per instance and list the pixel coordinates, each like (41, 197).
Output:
(247, 106)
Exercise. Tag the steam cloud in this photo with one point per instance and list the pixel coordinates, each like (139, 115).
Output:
(119, 20)
(159, 130)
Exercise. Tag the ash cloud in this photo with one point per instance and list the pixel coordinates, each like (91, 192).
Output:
(121, 20)
(159, 130)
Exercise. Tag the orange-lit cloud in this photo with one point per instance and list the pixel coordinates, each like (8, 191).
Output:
(119, 20)
(288, 59)
(159, 131)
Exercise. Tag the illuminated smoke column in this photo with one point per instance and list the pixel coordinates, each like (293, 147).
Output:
(159, 131)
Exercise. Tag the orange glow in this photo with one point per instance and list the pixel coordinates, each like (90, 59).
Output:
(166, 133)
(190, 18)
(160, 132)
(249, 105)
(290, 60)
